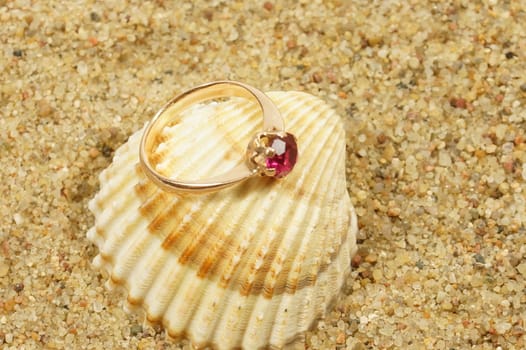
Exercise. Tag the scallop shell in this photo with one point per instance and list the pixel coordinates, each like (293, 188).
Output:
(252, 266)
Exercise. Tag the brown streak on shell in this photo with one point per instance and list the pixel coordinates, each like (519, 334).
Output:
(154, 320)
(267, 292)
(134, 301)
(153, 205)
(217, 254)
(210, 262)
(307, 281)
(159, 221)
(100, 232)
(161, 137)
(156, 225)
(282, 285)
(205, 267)
(157, 158)
(245, 289)
(186, 254)
(200, 239)
(223, 282)
(292, 286)
(144, 187)
(106, 257)
(117, 281)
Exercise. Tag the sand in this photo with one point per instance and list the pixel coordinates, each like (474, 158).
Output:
(433, 96)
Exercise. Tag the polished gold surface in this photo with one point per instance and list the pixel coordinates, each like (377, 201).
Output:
(272, 122)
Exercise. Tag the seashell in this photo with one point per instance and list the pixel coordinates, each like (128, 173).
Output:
(252, 266)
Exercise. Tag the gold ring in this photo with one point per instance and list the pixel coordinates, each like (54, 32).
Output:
(271, 152)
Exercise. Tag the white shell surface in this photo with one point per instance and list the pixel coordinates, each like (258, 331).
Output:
(252, 266)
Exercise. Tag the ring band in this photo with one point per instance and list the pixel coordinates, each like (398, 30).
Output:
(272, 152)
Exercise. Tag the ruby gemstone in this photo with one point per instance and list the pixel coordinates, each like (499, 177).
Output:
(286, 153)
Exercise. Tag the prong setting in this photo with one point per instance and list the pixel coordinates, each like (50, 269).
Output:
(272, 153)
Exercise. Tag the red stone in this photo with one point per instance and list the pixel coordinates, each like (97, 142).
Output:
(284, 159)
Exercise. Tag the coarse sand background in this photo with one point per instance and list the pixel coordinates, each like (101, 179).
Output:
(433, 96)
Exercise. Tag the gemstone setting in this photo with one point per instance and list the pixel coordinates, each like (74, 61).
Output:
(273, 153)
(285, 155)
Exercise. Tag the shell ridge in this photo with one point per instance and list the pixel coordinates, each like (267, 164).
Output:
(206, 316)
(279, 335)
(220, 248)
(144, 188)
(128, 255)
(168, 153)
(112, 242)
(276, 187)
(105, 217)
(124, 155)
(333, 241)
(157, 213)
(171, 167)
(146, 271)
(265, 309)
(179, 235)
(240, 269)
(232, 122)
(158, 297)
(231, 293)
(231, 242)
(218, 320)
(304, 243)
(319, 292)
(343, 204)
(118, 183)
(235, 283)
(306, 171)
(186, 300)
(191, 233)
(190, 274)
(124, 229)
(270, 313)
(153, 200)
(314, 294)
(298, 245)
(170, 237)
